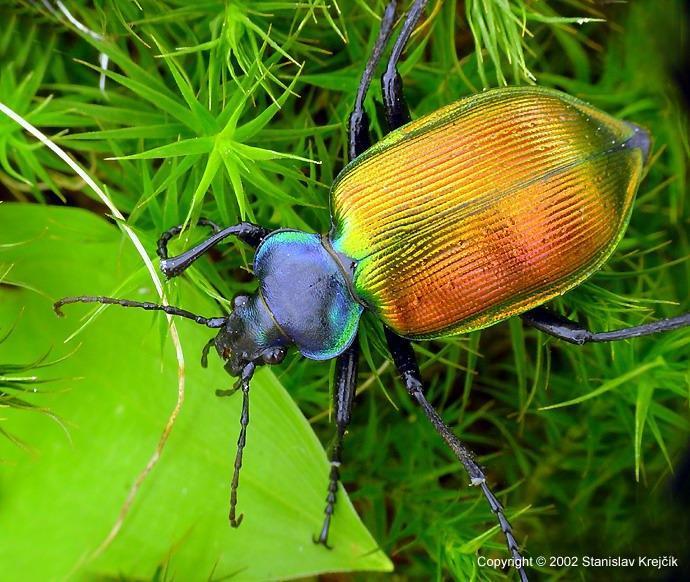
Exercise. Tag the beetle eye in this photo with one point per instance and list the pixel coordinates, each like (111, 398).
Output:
(240, 300)
(273, 356)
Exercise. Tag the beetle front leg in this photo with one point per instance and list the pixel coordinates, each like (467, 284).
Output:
(571, 331)
(359, 139)
(164, 239)
(205, 351)
(406, 363)
(343, 396)
(394, 104)
(247, 232)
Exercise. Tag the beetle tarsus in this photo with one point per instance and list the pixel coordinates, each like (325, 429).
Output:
(245, 378)
(331, 497)
(236, 522)
(247, 232)
(205, 351)
(164, 239)
(322, 538)
(506, 528)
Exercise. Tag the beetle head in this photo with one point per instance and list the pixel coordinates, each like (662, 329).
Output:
(250, 334)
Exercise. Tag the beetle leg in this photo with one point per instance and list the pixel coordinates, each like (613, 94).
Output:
(205, 351)
(358, 131)
(247, 232)
(406, 363)
(343, 396)
(563, 328)
(162, 247)
(394, 104)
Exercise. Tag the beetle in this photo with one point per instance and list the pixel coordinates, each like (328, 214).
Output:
(483, 210)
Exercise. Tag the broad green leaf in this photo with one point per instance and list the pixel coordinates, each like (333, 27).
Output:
(113, 396)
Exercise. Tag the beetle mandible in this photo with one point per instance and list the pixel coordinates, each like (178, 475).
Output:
(482, 210)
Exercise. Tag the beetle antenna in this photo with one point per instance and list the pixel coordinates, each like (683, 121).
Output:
(242, 383)
(213, 322)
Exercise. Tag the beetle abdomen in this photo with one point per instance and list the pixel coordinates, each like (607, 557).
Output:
(486, 208)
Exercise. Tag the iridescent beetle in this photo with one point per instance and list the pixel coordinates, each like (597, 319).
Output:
(483, 210)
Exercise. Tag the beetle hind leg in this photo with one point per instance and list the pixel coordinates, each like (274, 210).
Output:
(406, 363)
(394, 104)
(563, 328)
(343, 396)
(358, 130)
(395, 107)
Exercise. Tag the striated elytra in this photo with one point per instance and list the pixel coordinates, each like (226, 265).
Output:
(480, 211)
(486, 208)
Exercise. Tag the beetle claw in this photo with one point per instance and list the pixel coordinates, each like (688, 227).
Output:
(321, 541)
